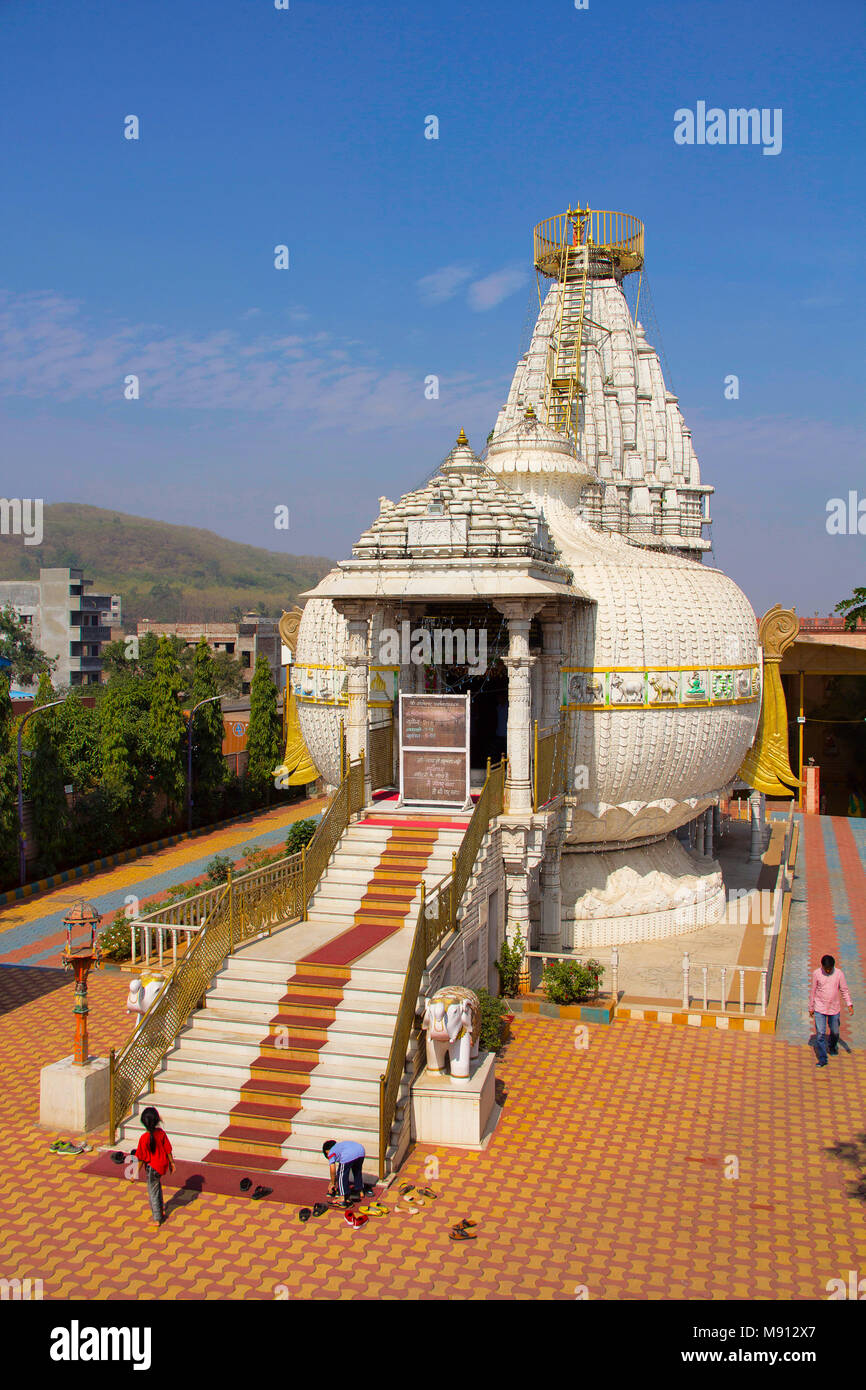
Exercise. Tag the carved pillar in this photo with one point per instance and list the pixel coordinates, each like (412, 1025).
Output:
(708, 832)
(699, 834)
(518, 789)
(551, 662)
(357, 668)
(517, 919)
(551, 897)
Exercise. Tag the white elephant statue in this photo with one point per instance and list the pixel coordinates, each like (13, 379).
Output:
(452, 1017)
(141, 995)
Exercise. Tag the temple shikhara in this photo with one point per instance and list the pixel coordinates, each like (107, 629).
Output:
(526, 694)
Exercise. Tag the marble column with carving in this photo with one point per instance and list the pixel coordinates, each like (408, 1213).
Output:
(517, 919)
(700, 825)
(551, 665)
(551, 897)
(518, 788)
(357, 661)
(708, 832)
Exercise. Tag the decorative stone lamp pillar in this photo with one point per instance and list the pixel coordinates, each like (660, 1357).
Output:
(357, 661)
(518, 788)
(74, 1093)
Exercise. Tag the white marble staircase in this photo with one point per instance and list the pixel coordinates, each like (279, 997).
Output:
(231, 1089)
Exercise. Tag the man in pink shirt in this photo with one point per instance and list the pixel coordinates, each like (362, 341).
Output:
(825, 1006)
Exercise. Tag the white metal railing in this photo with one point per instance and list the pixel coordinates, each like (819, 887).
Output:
(186, 916)
(725, 971)
(545, 956)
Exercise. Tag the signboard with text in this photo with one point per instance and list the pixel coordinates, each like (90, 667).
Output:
(434, 749)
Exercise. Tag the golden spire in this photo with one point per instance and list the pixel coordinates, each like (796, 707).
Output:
(529, 413)
(461, 438)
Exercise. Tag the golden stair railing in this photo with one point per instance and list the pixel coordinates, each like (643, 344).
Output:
(247, 907)
(430, 928)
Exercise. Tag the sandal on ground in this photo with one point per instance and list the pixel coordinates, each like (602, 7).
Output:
(461, 1233)
(118, 1157)
(261, 1192)
(304, 1214)
(428, 1192)
(465, 1224)
(373, 1209)
(355, 1218)
(246, 1184)
(320, 1208)
(408, 1210)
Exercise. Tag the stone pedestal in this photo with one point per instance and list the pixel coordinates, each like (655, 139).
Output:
(72, 1097)
(455, 1115)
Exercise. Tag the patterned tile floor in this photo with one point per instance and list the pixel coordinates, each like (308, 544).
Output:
(658, 1163)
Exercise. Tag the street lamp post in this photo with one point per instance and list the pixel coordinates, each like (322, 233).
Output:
(208, 701)
(22, 862)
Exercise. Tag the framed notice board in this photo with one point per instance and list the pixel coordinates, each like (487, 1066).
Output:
(434, 749)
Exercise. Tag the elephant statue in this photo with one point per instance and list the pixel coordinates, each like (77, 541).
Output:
(141, 995)
(452, 1018)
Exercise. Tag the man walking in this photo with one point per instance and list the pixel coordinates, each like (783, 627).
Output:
(346, 1161)
(825, 1006)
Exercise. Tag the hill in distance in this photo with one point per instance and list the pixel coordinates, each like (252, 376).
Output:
(162, 571)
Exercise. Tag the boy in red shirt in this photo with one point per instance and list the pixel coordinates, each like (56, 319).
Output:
(154, 1151)
(825, 1006)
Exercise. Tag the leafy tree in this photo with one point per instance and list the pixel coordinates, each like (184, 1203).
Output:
(228, 673)
(300, 833)
(854, 609)
(263, 733)
(17, 646)
(44, 782)
(208, 764)
(78, 731)
(166, 725)
(116, 724)
(8, 787)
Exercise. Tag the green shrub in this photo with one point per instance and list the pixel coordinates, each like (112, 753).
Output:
(300, 833)
(570, 981)
(509, 965)
(493, 1011)
(217, 869)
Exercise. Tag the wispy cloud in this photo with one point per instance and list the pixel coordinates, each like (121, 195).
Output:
(51, 348)
(487, 293)
(481, 295)
(443, 284)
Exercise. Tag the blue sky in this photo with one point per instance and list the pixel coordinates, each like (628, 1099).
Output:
(411, 256)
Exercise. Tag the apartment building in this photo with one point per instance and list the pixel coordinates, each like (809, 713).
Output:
(246, 640)
(66, 622)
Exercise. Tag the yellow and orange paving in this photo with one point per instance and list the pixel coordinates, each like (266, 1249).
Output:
(653, 1164)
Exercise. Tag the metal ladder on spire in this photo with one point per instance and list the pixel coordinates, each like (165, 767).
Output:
(564, 352)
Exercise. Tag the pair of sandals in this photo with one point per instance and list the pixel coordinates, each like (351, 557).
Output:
(260, 1192)
(354, 1216)
(463, 1230)
(318, 1210)
(416, 1197)
(67, 1148)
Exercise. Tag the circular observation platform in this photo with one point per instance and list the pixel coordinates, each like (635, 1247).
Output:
(612, 241)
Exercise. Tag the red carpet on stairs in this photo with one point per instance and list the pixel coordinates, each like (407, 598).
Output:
(261, 1121)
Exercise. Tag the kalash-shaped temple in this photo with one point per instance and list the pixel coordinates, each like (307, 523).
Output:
(576, 546)
(527, 693)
